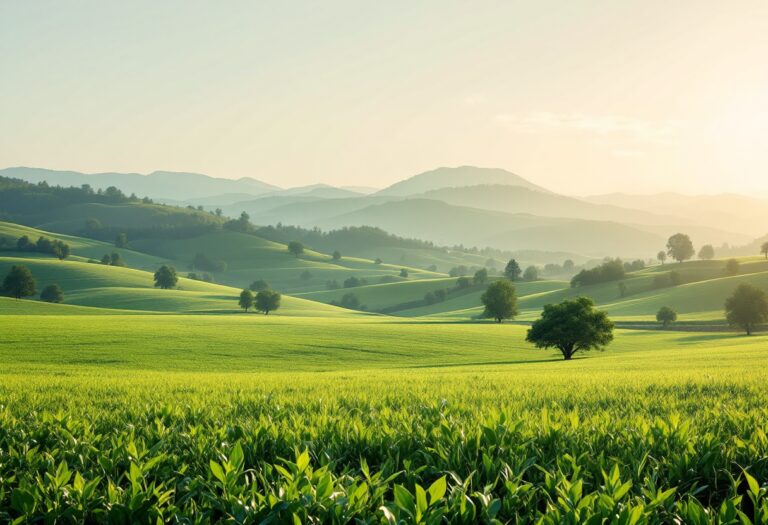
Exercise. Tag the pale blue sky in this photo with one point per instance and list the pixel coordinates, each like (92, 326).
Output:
(581, 97)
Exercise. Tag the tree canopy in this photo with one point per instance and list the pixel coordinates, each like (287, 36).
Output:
(52, 294)
(571, 326)
(500, 300)
(707, 252)
(267, 301)
(680, 247)
(259, 285)
(121, 240)
(19, 282)
(295, 248)
(747, 307)
(512, 270)
(531, 273)
(165, 277)
(666, 315)
(610, 270)
(246, 299)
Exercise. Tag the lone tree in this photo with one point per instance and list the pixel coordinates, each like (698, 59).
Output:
(52, 294)
(165, 277)
(60, 249)
(662, 257)
(764, 249)
(267, 301)
(121, 241)
(707, 252)
(19, 282)
(500, 301)
(732, 266)
(295, 248)
(481, 276)
(531, 273)
(747, 307)
(571, 326)
(403, 273)
(666, 315)
(246, 299)
(336, 255)
(512, 271)
(680, 247)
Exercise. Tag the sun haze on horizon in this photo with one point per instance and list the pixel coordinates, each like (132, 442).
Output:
(581, 98)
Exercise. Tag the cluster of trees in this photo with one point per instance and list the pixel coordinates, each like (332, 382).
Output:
(344, 239)
(204, 277)
(747, 308)
(242, 224)
(349, 301)
(205, 263)
(258, 285)
(610, 270)
(19, 283)
(462, 283)
(112, 259)
(513, 272)
(680, 248)
(54, 247)
(265, 300)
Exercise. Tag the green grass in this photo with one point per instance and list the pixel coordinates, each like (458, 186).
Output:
(381, 295)
(81, 247)
(249, 258)
(109, 287)
(147, 418)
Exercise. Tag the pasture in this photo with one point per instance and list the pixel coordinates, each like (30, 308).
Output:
(245, 418)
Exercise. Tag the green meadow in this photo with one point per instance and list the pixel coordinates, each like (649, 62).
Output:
(133, 404)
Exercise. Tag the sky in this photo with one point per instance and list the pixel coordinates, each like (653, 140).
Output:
(581, 97)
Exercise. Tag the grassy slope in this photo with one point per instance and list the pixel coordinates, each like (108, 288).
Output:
(239, 343)
(80, 246)
(377, 296)
(71, 219)
(249, 258)
(699, 299)
(467, 305)
(108, 287)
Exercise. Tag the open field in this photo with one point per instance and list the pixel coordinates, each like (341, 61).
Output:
(243, 418)
(133, 404)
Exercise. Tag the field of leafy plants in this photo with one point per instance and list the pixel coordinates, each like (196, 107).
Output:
(530, 444)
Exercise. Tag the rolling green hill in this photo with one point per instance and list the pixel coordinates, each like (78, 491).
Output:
(81, 247)
(108, 287)
(249, 257)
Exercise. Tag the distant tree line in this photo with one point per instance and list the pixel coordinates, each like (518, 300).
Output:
(611, 270)
(53, 247)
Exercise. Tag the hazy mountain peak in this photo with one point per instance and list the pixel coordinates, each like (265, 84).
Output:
(458, 177)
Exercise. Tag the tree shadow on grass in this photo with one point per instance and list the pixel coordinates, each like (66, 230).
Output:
(486, 363)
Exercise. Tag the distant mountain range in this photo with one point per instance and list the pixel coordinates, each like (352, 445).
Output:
(177, 186)
(464, 205)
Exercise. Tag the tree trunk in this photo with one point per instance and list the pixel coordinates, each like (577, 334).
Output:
(749, 329)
